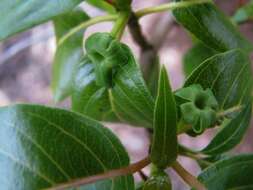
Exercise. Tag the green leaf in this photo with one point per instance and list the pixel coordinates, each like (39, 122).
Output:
(207, 23)
(195, 56)
(231, 173)
(164, 145)
(130, 97)
(19, 15)
(230, 134)
(244, 13)
(41, 147)
(229, 77)
(117, 70)
(102, 5)
(88, 98)
(68, 54)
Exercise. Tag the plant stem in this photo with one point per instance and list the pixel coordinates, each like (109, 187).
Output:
(187, 177)
(120, 24)
(86, 24)
(169, 6)
(195, 157)
(229, 111)
(148, 57)
(110, 174)
(143, 176)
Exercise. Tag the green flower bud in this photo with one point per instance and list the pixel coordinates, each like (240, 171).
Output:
(197, 107)
(159, 181)
(107, 54)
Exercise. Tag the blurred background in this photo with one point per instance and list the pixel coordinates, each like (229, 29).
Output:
(26, 60)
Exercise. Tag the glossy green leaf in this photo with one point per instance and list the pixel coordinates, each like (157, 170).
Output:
(207, 23)
(102, 4)
(164, 146)
(19, 15)
(230, 134)
(195, 56)
(88, 98)
(117, 70)
(229, 77)
(68, 54)
(41, 147)
(231, 173)
(130, 97)
(244, 13)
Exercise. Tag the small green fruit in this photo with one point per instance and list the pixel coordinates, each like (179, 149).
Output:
(197, 107)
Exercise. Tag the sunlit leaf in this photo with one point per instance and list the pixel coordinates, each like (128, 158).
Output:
(19, 15)
(41, 147)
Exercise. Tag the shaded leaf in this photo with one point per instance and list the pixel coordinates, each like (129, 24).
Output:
(229, 77)
(19, 15)
(164, 145)
(88, 98)
(207, 23)
(68, 54)
(195, 56)
(244, 13)
(41, 147)
(230, 134)
(231, 173)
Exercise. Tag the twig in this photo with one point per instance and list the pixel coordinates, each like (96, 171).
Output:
(148, 53)
(142, 175)
(187, 177)
(110, 174)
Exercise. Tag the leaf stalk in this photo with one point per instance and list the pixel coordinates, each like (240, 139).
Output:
(92, 21)
(110, 174)
(120, 24)
(191, 180)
